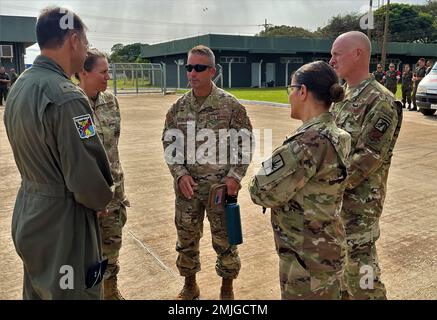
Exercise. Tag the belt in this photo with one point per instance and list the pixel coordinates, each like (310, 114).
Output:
(50, 190)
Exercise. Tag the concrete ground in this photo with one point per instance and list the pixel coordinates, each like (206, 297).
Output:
(407, 247)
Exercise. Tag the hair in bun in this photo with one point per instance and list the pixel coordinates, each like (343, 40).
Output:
(322, 81)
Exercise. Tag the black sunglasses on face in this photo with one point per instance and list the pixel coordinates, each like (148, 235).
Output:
(197, 67)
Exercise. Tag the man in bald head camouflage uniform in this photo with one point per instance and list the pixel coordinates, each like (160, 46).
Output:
(373, 118)
(204, 107)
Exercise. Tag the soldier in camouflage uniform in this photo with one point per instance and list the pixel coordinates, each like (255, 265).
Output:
(379, 74)
(418, 75)
(407, 86)
(391, 78)
(303, 184)
(106, 114)
(371, 115)
(204, 107)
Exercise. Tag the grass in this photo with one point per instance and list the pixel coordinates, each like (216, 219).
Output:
(270, 94)
(259, 94)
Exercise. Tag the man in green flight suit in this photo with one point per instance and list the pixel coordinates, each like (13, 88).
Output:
(66, 179)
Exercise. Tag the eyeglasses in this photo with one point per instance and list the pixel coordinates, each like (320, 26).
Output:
(197, 67)
(292, 86)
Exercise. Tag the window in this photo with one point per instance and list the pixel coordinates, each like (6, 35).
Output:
(6, 51)
(232, 59)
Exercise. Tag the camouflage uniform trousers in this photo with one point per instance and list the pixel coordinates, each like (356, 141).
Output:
(362, 232)
(413, 96)
(111, 230)
(392, 87)
(189, 217)
(406, 95)
(297, 280)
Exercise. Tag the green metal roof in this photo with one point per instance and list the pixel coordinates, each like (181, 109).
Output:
(18, 29)
(283, 45)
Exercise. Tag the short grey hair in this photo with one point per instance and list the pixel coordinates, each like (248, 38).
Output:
(203, 51)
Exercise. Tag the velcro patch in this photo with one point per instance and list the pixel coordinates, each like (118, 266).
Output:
(274, 165)
(382, 125)
(68, 87)
(85, 126)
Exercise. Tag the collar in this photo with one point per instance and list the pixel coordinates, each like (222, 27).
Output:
(47, 63)
(324, 117)
(354, 92)
(98, 102)
(193, 100)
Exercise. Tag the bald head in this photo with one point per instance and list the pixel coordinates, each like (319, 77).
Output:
(355, 40)
(351, 56)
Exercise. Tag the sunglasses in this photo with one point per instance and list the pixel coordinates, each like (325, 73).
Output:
(197, 67)
(292, 86)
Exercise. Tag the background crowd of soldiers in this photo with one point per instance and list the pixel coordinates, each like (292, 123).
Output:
(6, 81)
(407, 78)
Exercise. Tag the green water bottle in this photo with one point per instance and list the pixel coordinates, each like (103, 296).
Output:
(233, 221)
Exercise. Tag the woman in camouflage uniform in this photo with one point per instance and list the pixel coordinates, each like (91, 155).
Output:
(303, 184)
(106, 115)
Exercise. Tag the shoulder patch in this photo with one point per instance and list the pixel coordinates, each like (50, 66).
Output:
(382, 125)
(67, 87)
(379, 129)
(272, 165)
(85, 126)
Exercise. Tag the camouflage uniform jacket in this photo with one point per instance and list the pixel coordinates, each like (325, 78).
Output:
(391, 79)
(419, 72)
(220, 110)
(373, 118)
(407, 80)
(379, 75)
(304, 185)
(106, 113)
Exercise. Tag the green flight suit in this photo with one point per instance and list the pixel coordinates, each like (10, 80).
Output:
(65, 179)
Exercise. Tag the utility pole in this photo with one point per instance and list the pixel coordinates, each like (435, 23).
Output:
(369, 31)
(265, 25)
(384, 41)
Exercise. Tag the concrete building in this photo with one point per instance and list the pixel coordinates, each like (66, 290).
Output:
(249, 61)
(16, 34)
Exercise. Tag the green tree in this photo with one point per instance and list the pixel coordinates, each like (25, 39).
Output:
(295, 32)
(340, 24)
(127, 54)
(406, 24)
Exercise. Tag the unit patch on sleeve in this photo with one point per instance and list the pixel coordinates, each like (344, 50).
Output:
(272, 165)
(85, 126)
(382, 125)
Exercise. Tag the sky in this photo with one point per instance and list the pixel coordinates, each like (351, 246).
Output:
(153, 21)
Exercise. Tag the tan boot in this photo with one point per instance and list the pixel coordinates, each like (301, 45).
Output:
(190, 291)
(226, 291)
(110, 290)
